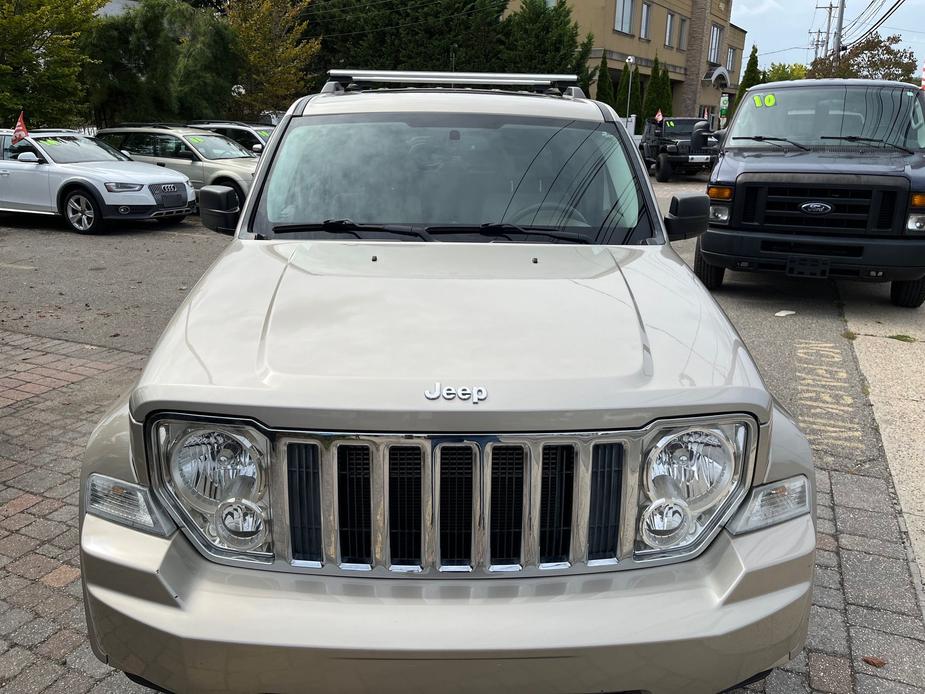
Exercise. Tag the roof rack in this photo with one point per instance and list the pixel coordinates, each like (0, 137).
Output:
(217, 120)
(354, 80)
(149, 124)
(54, 130)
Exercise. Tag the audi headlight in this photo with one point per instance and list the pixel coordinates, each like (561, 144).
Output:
(690, 477)
(217, 476)
(123, 187)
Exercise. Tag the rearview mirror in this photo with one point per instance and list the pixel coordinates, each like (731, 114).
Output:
(219, 208)
(688, 216)
(28, 158)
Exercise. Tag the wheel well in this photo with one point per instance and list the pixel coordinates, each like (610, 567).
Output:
(225, 181)
(76, 185)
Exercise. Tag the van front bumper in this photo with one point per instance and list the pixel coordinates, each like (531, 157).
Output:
(803, 255)
(157, 609)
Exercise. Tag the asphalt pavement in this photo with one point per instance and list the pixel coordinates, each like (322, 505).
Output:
(78, 314)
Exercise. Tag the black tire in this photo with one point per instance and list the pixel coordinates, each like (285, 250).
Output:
(168, 221)
(908, 293)
(711, 275)
(82, 212)
(663, 169)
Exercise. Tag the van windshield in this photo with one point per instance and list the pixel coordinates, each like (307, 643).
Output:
(870, 117)
(454, 172)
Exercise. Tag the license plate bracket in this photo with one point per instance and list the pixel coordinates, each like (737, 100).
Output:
(698, 158)
(172, 200)
(808, 267)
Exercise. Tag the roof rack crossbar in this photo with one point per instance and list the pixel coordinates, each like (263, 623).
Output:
(341, 79)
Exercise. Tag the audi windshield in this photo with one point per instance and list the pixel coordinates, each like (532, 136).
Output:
(830, 117)
(76, 149)
(452, 177)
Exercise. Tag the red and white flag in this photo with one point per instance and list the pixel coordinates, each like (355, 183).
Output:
(20, 132)
(923, 76)
(659, 116)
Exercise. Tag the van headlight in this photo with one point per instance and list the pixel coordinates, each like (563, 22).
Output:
(217, 476)
(690, 478)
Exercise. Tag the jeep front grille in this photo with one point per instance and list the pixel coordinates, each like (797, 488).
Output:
(437, 505)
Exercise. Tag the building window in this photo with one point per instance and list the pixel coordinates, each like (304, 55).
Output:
(644, 23)
(682, 34)
(731, 59)
(716, 42)
(623, 21)
(669, 30)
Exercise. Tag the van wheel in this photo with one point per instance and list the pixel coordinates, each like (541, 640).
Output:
(908, 293)
(663, 169)
(81, 212)
(711, 275)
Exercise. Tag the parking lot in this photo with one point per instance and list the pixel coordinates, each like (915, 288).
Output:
(78, 314)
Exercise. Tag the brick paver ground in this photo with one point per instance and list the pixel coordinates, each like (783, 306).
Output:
(52, 392)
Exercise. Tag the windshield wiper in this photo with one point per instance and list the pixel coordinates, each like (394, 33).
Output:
(350, 227)
(772, 140)
(506, 229)
(857, 138)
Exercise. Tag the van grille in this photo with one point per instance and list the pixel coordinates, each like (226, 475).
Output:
(856, 210)
(454, 506)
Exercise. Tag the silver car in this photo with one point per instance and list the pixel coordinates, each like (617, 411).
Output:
(448, 414)
(206, 158)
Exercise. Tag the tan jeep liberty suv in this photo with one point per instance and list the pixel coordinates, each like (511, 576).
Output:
(448, 415)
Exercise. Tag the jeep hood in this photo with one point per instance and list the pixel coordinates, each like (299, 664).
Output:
(734, 162)
(348, 336)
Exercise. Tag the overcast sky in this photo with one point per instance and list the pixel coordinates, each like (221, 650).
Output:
(781, 27)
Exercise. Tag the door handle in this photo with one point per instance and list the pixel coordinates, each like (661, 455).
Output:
(160, 163)
(4, 173)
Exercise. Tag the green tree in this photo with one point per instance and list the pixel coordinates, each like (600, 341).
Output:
(636, 100)
(666, 96)
(875, 58)
(784, 72)
(539, 37)
(605, 91)
(652, 100)
(750, 78)
(623, 88)
(276, 57)
(163, 59)
(41, 60)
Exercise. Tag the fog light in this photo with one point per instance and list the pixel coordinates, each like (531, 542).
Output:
(916, 223)
(241, 524)
(124, 210)
(665, 522)
(719, 214)
(124, 503)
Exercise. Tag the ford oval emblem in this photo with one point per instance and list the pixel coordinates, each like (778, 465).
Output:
(816, 208)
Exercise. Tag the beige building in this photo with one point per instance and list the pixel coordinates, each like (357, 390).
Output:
(694, 39)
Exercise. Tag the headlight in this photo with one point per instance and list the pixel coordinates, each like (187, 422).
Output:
(719, 214)
(123, 187)
(217, 475)
(671, 148)
(916, 222)
(689, 478)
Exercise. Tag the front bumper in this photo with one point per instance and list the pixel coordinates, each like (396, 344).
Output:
(156, 608)
(859, 258)
(146, 211)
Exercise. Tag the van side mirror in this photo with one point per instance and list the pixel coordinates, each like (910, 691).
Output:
(688, 216)
(29, 158)
(219, 208)
(720, 135)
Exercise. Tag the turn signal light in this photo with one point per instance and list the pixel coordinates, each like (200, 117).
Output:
(918, 199)
(725, 192)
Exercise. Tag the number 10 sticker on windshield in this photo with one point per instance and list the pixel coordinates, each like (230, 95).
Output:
(768, 100)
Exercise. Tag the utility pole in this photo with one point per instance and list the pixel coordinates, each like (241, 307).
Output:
(829, 10)
(838, 30)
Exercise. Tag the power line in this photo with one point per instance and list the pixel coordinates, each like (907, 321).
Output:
(870, 10)
(880, 22)
(783, 50)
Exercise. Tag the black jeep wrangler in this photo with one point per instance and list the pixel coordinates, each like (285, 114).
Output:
(822, 178)
(677, 145)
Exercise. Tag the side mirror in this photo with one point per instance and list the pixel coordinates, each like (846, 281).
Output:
(720, 135)
(219, 208)
(688, 216)
(257, 149)
(29, 158)
(127, 153)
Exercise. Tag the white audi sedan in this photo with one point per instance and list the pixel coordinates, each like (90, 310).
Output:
(62, 172)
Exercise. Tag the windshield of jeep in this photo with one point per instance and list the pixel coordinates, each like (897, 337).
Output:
(676, 128)
(830, 117)
(453, 174)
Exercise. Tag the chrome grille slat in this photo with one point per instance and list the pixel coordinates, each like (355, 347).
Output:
(354, 502)
(557, 468)
(457, 509)
(304, 477)
(405, 499)
(605, 502)
(506, 506)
